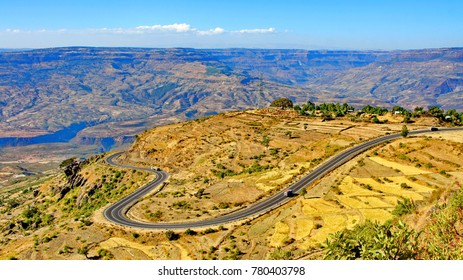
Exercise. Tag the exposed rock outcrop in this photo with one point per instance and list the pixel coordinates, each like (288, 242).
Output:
(74, 178)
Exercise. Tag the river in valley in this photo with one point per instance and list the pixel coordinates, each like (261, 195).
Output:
(61, 136)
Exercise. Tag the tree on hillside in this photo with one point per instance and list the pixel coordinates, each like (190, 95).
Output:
(418, 111)
(436, 111)
(65, 163)
(309, 106)
(404, 131)
(407, 118)
(399, 109)
(453, 115)
(283, 103)
(374, 110)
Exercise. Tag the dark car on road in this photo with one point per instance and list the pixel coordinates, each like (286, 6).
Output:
(289, 193)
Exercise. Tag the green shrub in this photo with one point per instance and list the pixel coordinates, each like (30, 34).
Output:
(280, 254)
(170, 235)
(373, 241)
(181, 204)
(405, 186)
(32, 218)
(83, 251)
(105, 254)
(223, 205)
(209, 230)
(403, 207)
(273, 152)
(66, 250)
(156, 215)
(265, 140)
(404, 132)
(256, 167)
(190, 232)
(442, 239)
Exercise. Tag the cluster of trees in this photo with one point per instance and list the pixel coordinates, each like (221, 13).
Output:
(328, 110)
(374, 110)
(433, 111)
(331, 110)
(33, 218)
(450, 115)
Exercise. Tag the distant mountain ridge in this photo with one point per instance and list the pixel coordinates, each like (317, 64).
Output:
(125, 90)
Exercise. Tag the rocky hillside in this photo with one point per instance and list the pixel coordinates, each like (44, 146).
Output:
(122, 91)
(224, 162)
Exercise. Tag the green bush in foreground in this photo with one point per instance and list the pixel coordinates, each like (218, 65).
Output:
(373, 241)
(404, 206)
(441, 238)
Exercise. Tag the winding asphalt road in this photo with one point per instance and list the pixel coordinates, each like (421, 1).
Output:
(116, 213)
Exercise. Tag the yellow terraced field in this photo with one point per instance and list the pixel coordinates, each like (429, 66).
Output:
(375, 202)
(391, 199)
(390, 188)
(348, 188)
(405, 169)
(331, 224)
(367, 190)
(415, 186)
(358, 199)
(379, 215)
(303, 228)
(319, 206)
(351, 202)
(280, 235)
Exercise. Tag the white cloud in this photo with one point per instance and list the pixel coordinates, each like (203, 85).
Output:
(38, 31)
(149, 29)
(176, 27)
(215, 31)
(170, 35)
(257, 30)
(13, 30)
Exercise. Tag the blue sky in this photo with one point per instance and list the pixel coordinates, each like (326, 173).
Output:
(316, 24)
